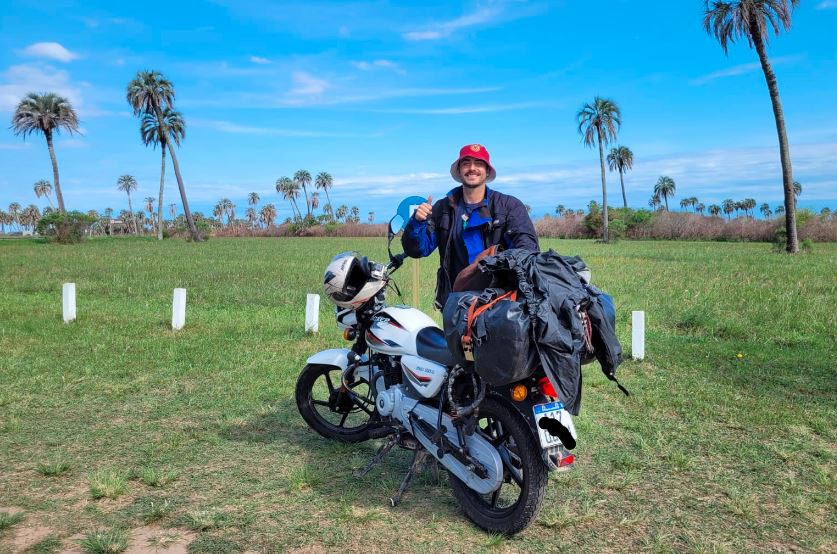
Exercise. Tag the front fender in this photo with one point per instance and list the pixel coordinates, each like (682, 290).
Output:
(337, 357)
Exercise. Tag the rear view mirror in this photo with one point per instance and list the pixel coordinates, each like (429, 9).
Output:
(403, 213)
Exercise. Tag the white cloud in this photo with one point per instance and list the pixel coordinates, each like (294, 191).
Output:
(306, 84)
(382, 64)
(259, 60)
(743, 69)
(485, 108)
(49, 50)
(827, 5)
(480, 16)
(235, 128)
(19, 80)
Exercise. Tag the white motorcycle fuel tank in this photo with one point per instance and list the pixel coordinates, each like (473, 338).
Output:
(395, 328)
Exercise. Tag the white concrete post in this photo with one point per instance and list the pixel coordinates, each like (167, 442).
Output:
(312, 313)
(638, 335)
(178, 309)
(69, 296)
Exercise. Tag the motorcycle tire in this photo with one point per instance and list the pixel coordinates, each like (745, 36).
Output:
(519, 500)
(328, 410)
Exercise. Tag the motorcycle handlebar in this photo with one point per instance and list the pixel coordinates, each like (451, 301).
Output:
(396, 261)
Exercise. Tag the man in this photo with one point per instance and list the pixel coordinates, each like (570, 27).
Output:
(468, 220)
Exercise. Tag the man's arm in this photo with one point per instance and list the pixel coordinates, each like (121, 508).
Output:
(520, 229)
(419, 238)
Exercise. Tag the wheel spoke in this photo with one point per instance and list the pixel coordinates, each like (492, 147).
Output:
(343, 419)
(329, 383)
(494, 497)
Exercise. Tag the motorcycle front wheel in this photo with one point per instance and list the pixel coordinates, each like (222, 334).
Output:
(332, 409)
(517, 502)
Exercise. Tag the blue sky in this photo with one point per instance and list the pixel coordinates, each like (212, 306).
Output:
(383, 94)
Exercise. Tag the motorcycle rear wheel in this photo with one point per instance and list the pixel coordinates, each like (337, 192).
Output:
(518, 501)
(328, 409)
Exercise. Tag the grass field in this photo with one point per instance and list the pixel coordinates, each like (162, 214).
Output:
(115, 429)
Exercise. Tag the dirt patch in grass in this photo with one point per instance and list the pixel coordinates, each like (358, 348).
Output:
(25, 537)
(152, 538)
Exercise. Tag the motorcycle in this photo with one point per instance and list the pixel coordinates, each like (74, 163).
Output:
(399, 382)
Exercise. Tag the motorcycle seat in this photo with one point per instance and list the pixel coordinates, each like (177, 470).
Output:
(431, 344)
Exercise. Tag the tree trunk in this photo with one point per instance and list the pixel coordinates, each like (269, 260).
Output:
(665, 197)
(160, 200)
(330, 205)
(792, 245)
(164, 135)
(307, 203)
(622, 181)
(604, 188)
(133, 215)
(58, 195)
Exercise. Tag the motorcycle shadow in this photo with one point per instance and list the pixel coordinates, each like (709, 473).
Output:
(308, 463)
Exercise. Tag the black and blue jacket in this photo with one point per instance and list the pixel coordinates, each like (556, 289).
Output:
(461, 232)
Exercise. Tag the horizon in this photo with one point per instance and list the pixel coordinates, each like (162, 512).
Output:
(382, 97)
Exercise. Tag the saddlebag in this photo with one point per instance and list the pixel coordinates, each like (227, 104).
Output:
(492, 330)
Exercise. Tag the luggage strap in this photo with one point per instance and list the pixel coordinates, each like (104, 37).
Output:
(473, 313)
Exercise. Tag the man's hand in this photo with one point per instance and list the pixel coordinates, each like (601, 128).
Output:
(424, 210)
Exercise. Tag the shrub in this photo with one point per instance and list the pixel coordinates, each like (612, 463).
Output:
(66, 228)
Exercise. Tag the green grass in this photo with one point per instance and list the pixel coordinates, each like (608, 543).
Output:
(54, 467)
(713, 452)
(7, 520)
(105, 542)
(108, 483)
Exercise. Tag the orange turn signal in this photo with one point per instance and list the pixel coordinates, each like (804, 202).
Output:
(519, 392)
(348, 334)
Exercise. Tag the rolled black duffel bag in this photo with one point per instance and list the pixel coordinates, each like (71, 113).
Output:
(490, 329)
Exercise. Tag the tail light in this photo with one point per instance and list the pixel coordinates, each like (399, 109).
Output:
(545, 386)
(567, 461)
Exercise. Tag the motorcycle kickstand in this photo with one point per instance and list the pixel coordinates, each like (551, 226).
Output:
(419, 457)
(379, 455)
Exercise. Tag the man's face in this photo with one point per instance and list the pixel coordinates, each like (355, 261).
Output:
(474, 172)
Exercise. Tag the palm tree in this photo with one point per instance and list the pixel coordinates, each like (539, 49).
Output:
(370, 217)
(655, 202)
(289, 189)
(268, 215)
(325, 182)
(315, 200)
(715, 210)
(560, 210)
(355, 214)
(253, 199)
(303, 178)
(31, 215)
(598, 123)
(765, 210)
(621, 159)
(152, 133)
(47, 114)
(328, 211)
(780, 210)
(14, 213)
(797, 190)
(173, 210)
(149, 93)
(4, 220)
(728, 206)
(728, 21)
(341, 212)
(749, 205)
(700, 207)
(128, 184)
(252, 217)
(684, 203)
(664, 188)
(149, 207)
(43, 188)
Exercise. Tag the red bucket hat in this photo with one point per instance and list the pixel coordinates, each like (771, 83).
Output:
(477, 151)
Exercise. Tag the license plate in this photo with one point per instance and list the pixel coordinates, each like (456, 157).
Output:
(555, 410)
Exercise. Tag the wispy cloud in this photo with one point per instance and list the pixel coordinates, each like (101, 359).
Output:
(827, 5)
(485, 108)
(259, 60)
(49, 50)
(19, 80)
(743, 69)
(379, 64)
(235, 128)
(480, 16)
(306, 84)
